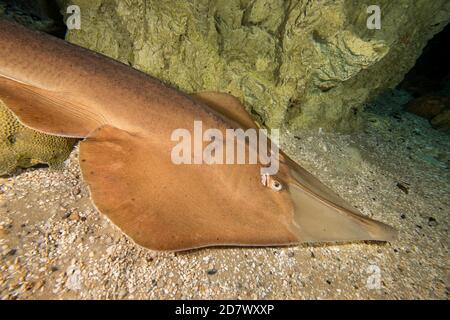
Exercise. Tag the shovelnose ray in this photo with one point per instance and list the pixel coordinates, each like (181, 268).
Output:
(126, 119)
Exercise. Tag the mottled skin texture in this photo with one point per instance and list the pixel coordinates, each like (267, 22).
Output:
(24, 147)
(127, 118)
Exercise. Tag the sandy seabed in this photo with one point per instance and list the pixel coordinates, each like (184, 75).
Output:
(54, 244)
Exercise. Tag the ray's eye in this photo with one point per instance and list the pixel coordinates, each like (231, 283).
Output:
(276, 185)
(271, 183)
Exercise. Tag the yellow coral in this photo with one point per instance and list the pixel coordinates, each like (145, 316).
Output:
(23, 147)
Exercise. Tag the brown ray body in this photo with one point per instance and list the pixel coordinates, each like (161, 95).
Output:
(126, 119)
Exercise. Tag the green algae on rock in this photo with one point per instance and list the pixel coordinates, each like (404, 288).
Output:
(293, 63)
(23, 147)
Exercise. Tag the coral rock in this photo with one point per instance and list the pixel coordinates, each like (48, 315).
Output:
(23, 147)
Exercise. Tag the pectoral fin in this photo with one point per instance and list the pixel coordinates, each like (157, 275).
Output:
(163, 206)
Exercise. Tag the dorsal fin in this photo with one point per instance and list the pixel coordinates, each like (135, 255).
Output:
(227, 105)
